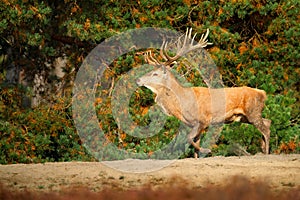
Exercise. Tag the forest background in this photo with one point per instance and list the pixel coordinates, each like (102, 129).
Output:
(255, 43)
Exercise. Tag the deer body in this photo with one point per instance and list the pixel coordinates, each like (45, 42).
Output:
(198, 107)
(194, 105)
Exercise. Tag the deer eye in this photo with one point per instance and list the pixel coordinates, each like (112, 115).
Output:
(154, 74)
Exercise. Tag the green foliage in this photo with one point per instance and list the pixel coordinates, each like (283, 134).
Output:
(42, 134)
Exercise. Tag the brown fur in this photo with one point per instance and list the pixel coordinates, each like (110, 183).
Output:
(198, 107)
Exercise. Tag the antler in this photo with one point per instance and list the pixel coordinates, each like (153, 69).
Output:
(182, 48)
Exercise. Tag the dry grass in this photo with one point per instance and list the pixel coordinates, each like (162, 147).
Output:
(238, 188)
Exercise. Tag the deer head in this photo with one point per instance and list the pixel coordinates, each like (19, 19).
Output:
(161, 76)
(156, 79)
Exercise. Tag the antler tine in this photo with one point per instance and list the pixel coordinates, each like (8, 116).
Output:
(185, 38)
(203, 42)
(166, 55)
(146, 56)
(149, 58)
(154, 60)
(193, 39)
(161, 52)
(190, 33)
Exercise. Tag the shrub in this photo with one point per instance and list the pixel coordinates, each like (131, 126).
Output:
(42, 134)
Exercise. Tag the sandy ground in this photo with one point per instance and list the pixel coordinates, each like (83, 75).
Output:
(280, 172)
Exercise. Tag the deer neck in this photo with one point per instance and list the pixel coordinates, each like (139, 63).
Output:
(172, 85)
(171, 96)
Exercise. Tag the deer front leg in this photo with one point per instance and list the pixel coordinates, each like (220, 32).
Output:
(195, 133)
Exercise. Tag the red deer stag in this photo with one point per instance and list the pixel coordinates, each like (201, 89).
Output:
(193, 106)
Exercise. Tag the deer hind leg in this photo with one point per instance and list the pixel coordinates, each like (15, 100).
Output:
(263, 125)
(266, 133)
(195, 135)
